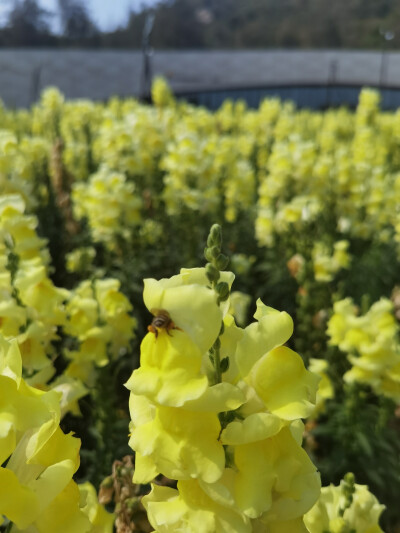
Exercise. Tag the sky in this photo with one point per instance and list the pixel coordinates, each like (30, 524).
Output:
(108, 14)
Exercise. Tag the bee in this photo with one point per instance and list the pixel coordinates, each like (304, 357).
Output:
(161, 320)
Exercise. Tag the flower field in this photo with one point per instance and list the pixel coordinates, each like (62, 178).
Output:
(199, 317)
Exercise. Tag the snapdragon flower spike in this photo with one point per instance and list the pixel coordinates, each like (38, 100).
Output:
(371, 344)
(336, 512)
(174, 410)
(233, 444)
(36, 487)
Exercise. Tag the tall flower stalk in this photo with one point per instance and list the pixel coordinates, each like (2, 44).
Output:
(218, 408)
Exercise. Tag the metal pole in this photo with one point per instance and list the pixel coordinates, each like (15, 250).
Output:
(387, 35)
(145, 85)
(333, 68)
(35, 83)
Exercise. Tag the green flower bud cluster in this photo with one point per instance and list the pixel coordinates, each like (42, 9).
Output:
(217, 262)
(348, 490)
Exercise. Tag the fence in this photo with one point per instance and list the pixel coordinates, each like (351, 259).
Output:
(101, 74)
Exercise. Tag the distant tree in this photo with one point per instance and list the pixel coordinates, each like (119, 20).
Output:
(77, 24)
(212, 24)
(27, 25)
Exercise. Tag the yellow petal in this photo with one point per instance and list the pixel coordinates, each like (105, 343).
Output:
(258, 426)
(218, 398)
(101, 521)
(64, 514)
(145, 469)
(170, 370)
(273, 329)
(283, 383)
(193, 308)
(181, 445)
(18, 503)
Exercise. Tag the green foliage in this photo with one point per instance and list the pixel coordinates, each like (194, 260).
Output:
(358, 432)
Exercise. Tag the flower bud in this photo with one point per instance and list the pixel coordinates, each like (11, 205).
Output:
(215, 251)
(207, 254)
(212, 273)
(216, 234)
(222, 262)
(222, 289)
(132, 504)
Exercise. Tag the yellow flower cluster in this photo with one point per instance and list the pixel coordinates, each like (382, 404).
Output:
(34, 311)
(203, 171)
(331, 514)
(371, 342)
(31, 307)
(80, 259)
(98, 316)
(326, 264)
(109, 203)
(161, 94)
(38, 460)
(336, 165)
(22, 163)
(79, 123)
(131, 139)
(325, 388)
(234, 443)
(284, 169)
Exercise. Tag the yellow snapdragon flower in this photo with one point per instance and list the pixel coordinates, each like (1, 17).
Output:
(36, 487)
(370, 340)
(327, 264)
(362, 516)
(325, 387)
(161, 93)
(109, 202)
(233, 446)
(101, 520)
(98, 314)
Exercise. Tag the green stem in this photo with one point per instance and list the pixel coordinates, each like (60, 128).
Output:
(216, 350)
(217, 362)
